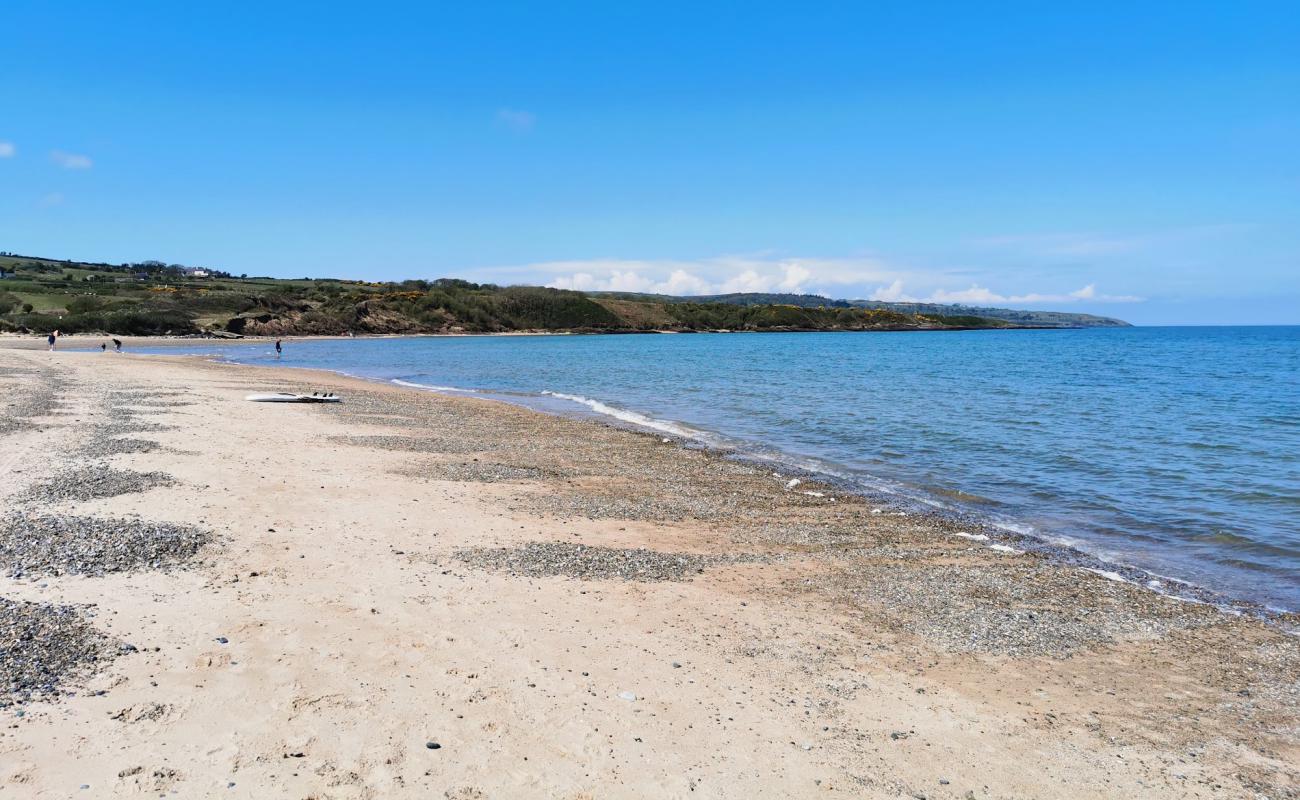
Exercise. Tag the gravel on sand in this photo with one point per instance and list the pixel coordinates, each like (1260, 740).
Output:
(94, 481)
(410, 444)
(104, 446)
(43, 646)
(37, 544)
(480, 472)
(1025, 610)
(585, 562)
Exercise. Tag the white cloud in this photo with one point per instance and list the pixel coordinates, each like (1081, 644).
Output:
(70, 160)
(721, 275)
(847, 278)
(975, 294)
(795, 276)
(892, 293)
(613, 281)
(516, 120)
(683, 282)
(980, 295)
(7, 149)
(747, 281)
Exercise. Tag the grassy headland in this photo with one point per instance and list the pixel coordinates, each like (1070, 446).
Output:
(153, 298)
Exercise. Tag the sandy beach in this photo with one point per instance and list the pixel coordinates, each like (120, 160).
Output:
(415, 595)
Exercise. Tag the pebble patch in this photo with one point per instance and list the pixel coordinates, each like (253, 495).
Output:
(32, 544)
(584, 562)
(43, 646)
(93, 482)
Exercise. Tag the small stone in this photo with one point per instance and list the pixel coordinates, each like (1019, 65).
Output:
(628, 696)
(433, 745)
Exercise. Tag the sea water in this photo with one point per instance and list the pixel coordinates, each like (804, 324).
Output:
(1175, 450)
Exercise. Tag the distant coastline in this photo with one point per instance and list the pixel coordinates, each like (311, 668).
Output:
(150, 298)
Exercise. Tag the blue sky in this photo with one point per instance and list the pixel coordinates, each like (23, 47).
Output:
(1140, 160)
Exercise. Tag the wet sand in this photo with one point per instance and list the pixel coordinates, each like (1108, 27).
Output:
(411, 595)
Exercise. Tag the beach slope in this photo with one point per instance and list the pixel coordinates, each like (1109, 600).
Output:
(412, 595)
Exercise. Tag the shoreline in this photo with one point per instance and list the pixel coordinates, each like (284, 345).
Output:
(1145, 579)
(36, 341)
(567, 608)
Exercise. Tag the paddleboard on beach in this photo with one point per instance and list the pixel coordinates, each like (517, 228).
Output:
(285, 397)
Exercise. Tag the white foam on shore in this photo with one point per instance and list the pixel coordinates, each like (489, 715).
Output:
(974, 537)
(1015, 527)
(431, 387)
(1002, 548)
(1108, 575)
(631, 417)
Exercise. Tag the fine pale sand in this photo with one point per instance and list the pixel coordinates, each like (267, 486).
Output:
(375, 585)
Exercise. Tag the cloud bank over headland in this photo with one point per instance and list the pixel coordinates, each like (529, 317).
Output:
(976, 295)
(852, 278)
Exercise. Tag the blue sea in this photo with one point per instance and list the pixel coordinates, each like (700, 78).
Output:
(1173, 450)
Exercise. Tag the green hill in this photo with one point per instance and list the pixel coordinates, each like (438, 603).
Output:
(38, 295)
(1019, 317)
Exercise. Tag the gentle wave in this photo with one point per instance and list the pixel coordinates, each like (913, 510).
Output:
(631, 417)
(432, 387)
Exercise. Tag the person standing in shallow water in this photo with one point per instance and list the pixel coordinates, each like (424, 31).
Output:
(117, 345)
(52, 338)
(278, 349)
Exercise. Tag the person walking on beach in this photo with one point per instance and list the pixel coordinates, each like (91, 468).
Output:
(117, 345)
(52, 338)
(278, 349)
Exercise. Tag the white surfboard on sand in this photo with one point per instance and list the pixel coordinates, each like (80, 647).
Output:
(284, 397)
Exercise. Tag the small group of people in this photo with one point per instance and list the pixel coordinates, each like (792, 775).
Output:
(53, 340)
